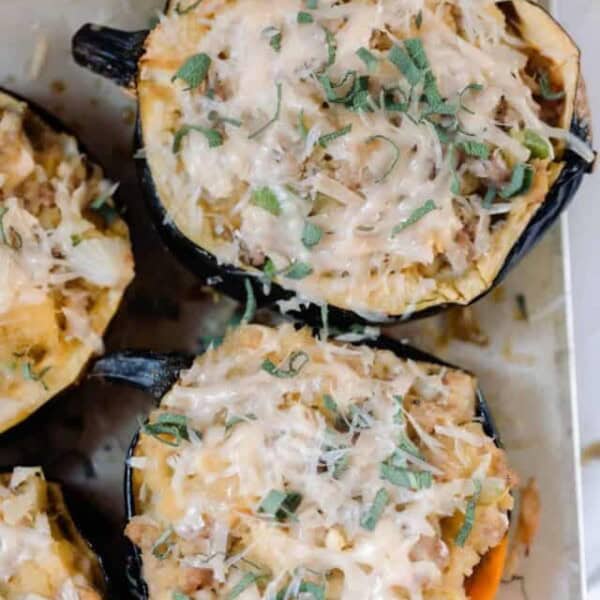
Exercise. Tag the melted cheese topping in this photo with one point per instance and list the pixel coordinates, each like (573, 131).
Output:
(37, 561)
(365, 190)
(63, 266)
(324, 433)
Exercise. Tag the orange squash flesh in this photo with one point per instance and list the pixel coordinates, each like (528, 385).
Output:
(485, 581)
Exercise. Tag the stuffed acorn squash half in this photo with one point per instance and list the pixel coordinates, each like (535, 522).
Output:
(65, 259)
(283, 466)
(383, 158)
(42, 555)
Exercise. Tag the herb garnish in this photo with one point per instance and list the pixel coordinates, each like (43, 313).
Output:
(490, 196)
(185, 11)
(396, 154)
(311, 234)
(275, 116)
(368, 58)
(463, 535)
(403, 62)
(280, 505)
(161, 548)
(103, 207)
(214, 116)
(194, 70)
(535, 143)
(415, 216)
(419, 19)
(180, 596)
(169, 424)
(312, 4)
(331, 46)
(306, 588)
(298, 270)
(402, 477)
(266, 199)
(30, 375)
(274, 35)
(520, 182)
(476, 87)
(296, 362)
(477, 149)
(245, 582)
(250, 309)
(304, 18)
(235, 420)
(327, 138)
(213, 137)
(302, 126)
(546, 90)
(76, 240)
(371, 517)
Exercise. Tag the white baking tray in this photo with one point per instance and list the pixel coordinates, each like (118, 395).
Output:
(526, 372)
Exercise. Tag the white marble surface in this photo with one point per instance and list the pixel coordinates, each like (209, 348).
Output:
(582, 19)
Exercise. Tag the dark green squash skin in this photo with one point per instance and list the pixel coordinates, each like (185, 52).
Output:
(108, 52)
(157, 373)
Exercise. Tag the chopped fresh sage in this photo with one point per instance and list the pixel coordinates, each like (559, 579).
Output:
(546, 90)
(311, 234)
(296, 362)
(371, 517)
(475, 87)
(250, 309)
(214, 116)
(180, 596)
(419, 19)
(161, 548)
(304, 18)
(244, 583)
(273, 34)
(305, 589)
(76, 239)
(477, 149)
(538, 146)
(275, 116)
(312, 4)
(280, 505)
(520, 182)
(465, 531)
(194, 70)
(326, 139)
(30, 375)
(368, 58)
(403, 477)
(266, 199)
(331, 46)
(394, 160)
(414, 47)
(104, 208)
(235, 420)
(185, 11)
(404, 63)
(416, 216)
(490, 196)
(213, 137)
(330, 404)
(298, 270)
(302, 126)
(171, 425)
